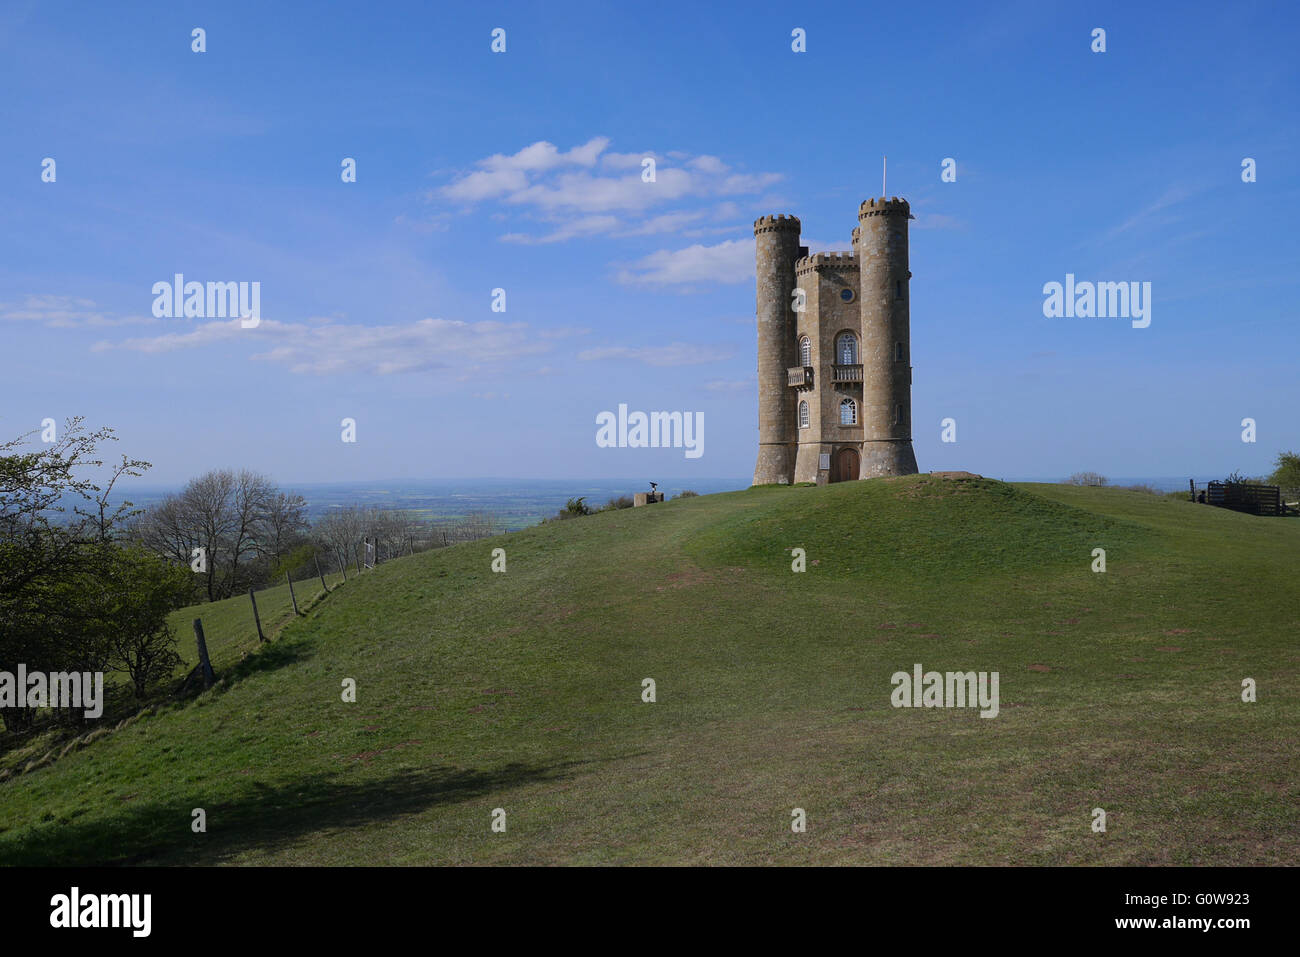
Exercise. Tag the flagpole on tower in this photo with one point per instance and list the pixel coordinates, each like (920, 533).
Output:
(884, 161)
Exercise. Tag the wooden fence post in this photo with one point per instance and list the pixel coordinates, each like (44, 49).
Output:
(292, 597)
(204, 664)
(343, 566)
(316, 558)
(256, 618)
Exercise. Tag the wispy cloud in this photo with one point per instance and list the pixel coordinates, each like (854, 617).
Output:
(583, 226)
(673, 354)
(938, 221)
(65, 312)
(322, 347)
(731, 386)
(1155, 213)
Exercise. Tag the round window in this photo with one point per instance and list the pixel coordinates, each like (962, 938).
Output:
(846, 295)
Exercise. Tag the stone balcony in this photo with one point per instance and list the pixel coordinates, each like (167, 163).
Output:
(800, 377)
(846, 373)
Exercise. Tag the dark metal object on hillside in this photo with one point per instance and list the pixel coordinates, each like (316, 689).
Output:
(1245, 497)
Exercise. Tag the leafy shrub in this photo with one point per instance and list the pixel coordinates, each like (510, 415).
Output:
(573, 508)
(1287, 471)
(1236, 478)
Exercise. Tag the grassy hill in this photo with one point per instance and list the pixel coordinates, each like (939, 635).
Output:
(522, 691)
(230, 634)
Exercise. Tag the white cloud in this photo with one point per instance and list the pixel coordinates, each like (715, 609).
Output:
(708, 164)
(484, 184)
(202, 335)
(938, 221)
(666, 223)
(673, 354)
(583, 192)
(542, 156)
(326, 348)
(500, 175)
(1151, 214)
(727, 262)
(589, 191)
(731, 386)
(65, 312)
(627, 160)
(585, 226)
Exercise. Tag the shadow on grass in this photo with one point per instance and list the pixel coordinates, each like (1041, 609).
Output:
(269, 657)
(120, 703)
(263, 817)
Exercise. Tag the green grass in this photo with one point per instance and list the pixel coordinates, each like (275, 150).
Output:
(522, 691)
(228, 627)
(230, 634)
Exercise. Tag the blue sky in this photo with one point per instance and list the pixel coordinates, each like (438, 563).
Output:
(522, 171)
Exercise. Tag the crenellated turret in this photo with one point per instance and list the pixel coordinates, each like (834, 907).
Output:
(835, 375)
(776, 242)
(881, 242)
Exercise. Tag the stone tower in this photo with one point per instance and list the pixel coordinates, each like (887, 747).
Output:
(880, 242)
(776, 240)
(834, 352)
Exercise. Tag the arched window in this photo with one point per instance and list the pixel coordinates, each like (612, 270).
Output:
(805, 351)
(898, 352)
(803, 415)
(848, 412)
(846, 349)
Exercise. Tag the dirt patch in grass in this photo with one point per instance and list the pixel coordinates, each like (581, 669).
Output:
(700, 576)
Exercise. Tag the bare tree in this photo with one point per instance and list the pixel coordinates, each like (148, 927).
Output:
(283, 520)
(340, 532)
(241, 520)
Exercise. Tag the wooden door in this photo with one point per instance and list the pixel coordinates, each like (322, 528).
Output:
(846, 466)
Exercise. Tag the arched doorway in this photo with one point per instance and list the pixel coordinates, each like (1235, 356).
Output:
(845, 466)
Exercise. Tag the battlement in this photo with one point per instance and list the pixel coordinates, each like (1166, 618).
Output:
(773, 224)
(839, 414)
(884, 207)
(818, 261)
